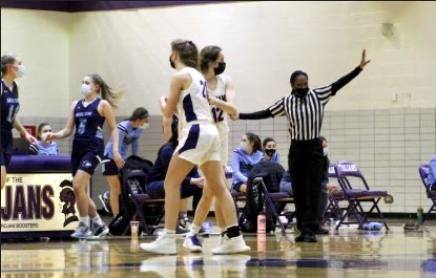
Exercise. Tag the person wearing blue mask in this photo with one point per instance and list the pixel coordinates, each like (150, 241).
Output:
(44, 147)
(244, 158)
(431, 179)
(129, 132)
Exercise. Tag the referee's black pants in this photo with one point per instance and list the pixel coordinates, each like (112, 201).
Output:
(306, 166)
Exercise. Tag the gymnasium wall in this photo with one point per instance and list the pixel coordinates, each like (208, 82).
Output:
(41, 39)
(264, 42)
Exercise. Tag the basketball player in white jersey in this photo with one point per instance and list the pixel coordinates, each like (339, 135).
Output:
(221, 99)
(199, 145)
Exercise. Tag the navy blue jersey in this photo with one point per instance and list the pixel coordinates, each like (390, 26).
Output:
(89, 123)
(10, 106)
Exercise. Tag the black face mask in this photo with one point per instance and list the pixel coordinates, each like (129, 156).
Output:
(270, 153)
(173, 65)
(301, 92)
(220, 69)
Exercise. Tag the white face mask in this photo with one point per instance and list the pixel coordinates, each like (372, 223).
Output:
(145, 126)
(21, 70)
(44, 137)
(86, 90)
(244, 146)
(326, 151)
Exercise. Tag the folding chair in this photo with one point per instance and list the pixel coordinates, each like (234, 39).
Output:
(236, 196)
(355, 197)
(140, 201)
(423, 172)
(334, 210)
(271, 199)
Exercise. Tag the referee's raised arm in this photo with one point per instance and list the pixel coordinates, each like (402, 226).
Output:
(324, 94)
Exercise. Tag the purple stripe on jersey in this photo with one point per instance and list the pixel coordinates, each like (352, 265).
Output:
(192, 141)
(188, 106)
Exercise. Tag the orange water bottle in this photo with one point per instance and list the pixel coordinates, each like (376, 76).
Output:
(261, 224)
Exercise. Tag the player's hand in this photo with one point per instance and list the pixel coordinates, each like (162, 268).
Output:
(234, 117)
(31, 139)
(199, 182)
(119, 161)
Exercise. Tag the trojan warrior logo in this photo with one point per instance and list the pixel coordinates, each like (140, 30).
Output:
(68, 202)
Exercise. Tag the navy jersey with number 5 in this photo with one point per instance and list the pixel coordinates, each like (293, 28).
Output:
(10, 106)
(89, 123)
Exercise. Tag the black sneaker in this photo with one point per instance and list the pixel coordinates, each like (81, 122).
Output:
(310, 238)
(322, 232)
(300, 238)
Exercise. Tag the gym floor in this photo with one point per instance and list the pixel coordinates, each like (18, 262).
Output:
(349, 253)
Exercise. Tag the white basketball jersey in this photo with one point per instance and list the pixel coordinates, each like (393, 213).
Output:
(193, 105)
(219, 116)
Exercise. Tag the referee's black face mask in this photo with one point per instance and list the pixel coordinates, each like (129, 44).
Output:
(301, 92)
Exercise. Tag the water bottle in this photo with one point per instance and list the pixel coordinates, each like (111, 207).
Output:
(420, 213)
(261, 224)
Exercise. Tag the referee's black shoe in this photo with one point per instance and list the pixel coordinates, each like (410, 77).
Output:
(306, 238)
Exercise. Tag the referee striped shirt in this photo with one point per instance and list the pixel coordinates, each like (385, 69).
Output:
(305, 115)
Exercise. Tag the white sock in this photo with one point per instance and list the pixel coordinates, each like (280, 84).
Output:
(194, 230)
(169, 234)
(222, 230)
(85, 220)
(97, 220)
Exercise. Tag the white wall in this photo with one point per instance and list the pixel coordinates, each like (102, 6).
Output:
(41, 39)
(264, 42)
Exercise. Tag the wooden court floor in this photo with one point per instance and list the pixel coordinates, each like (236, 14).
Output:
(348, 254)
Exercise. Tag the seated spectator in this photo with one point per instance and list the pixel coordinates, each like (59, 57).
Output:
(191, 187)
(431, 179)
(326, 187)
(44, 147)
(129, 134)
(270, 150)
(244, 158)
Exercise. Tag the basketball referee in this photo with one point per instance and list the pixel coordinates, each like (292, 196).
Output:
(304, 109)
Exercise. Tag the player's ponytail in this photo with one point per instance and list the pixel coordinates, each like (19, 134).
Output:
(188, 52)
(107, 93)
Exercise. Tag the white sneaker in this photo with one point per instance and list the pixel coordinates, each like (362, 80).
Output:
(193, 244)
(82, 232)
(231, 246)
(221, 240)
(164, 245)
(98, 231)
